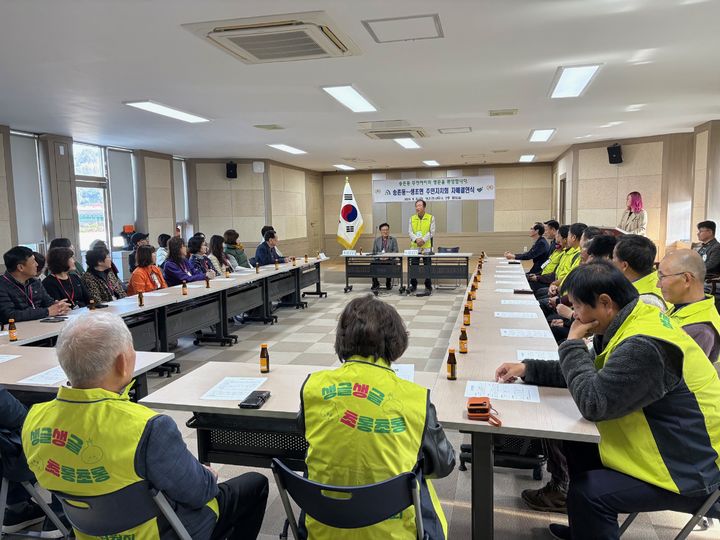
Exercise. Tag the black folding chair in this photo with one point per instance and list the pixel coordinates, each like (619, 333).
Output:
(360, 506)
(99, 515)
(690, 525)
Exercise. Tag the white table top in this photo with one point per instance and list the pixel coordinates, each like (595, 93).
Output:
(439, 255)
(283, 381)
(33, 331)
(555, 417)
(34, 360)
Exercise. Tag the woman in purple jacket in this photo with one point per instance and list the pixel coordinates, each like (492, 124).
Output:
(177, 268)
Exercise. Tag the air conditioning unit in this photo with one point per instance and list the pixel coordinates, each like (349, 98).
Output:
(277, 38)
(408, 133)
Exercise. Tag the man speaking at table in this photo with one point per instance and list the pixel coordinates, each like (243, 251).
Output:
(652, 393)
(421, 230)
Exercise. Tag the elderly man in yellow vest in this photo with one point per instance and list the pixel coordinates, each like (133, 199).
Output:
(635, 256)
(364, 424)
(681, 277)
(421, 230)
(653, 395)
(92, 440)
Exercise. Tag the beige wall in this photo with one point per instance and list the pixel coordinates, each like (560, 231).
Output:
(8, 234)
(700, 178)
(218, 203)
(523, 196)
(709, 162)
(603, 188)
(287, 200)
(154, 201)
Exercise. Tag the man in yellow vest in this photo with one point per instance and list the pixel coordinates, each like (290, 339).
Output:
(92, 440)
(364, 424)
(653, 395)
(421, 230)
(540, 282)
(635, 256)
(681, 277)
(570, 260)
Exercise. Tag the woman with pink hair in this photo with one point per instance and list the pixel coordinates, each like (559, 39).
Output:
(634, 219)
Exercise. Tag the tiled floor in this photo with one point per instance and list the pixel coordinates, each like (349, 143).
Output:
(307, 337)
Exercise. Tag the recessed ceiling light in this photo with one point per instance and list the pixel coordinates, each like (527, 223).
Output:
(451, 131)
(288, 149)
(431, 163)
(642, 56)
(351, 98)
(585, 136)
(344, 167)
(571, 81)
(471, 156)
(526, 158)
(408, 144)
(541, 135)
(164, 110)
(611, 124)
(635, 108)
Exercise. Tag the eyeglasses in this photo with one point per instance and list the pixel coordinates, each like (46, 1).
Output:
(661, 276)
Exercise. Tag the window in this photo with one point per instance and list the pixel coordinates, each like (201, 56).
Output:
(88, 160)
(91, 181)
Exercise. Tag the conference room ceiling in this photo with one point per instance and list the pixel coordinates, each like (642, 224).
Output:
(67, 66)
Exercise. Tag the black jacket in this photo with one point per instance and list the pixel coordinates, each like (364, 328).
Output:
(539, 253)
(12, 416)
(70, 289)
(23, 302)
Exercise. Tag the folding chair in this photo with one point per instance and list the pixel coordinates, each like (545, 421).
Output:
(690, 525)
(33, 492)
(360, 506)
(99, 516)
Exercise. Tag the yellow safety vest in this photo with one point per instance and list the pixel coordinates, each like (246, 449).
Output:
(648, 285)
(570, 260)
(673, 443)
(421, 226)
(364, 424)
(703, 311)
(552, 263)
(84, 443)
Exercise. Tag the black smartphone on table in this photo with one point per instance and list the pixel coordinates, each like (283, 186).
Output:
(255, 400)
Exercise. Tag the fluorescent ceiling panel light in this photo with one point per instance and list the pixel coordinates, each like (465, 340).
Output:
(611, 124)
(526, 158)
(571, 81)
(409, 28)
(541, 135)
(431, 163)
(635, 108)
(351, 98)
(585, 136)
(164, 110)
(288, 149)
(344, 167)
(408, 144)
(451, 131)
(642, 56)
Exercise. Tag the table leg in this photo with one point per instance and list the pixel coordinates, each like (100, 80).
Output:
(318, 289)
(141, 387)
(482, 486)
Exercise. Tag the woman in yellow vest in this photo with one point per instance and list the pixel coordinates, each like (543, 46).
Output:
(681, 277)
(92, 440)
(364, 424)
(651, 392)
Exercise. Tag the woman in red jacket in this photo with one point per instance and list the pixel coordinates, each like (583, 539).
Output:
(147, 277)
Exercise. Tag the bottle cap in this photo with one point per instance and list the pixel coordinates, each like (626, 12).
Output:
(263, 345)
(451, 350)
(463, 328)
(11, 320)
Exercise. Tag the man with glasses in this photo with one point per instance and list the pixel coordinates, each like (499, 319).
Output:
(680, 277)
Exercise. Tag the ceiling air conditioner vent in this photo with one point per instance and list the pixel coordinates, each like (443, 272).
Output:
(502, 112)
(277, 38)
(410, 133)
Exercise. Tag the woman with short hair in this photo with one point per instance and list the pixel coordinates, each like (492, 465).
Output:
(177, 268)
(197, 248)
(100, 280)
(634, 219)
(66, 243)
(235, 249)
(146, 277)
(62, 283)
(364, 424)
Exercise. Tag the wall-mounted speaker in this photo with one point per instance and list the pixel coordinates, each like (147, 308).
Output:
(231, 169)
(615, 154)
(258, 167)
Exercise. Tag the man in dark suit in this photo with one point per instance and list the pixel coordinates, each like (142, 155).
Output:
(539, 251)
(383, 244)
(266, 252)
